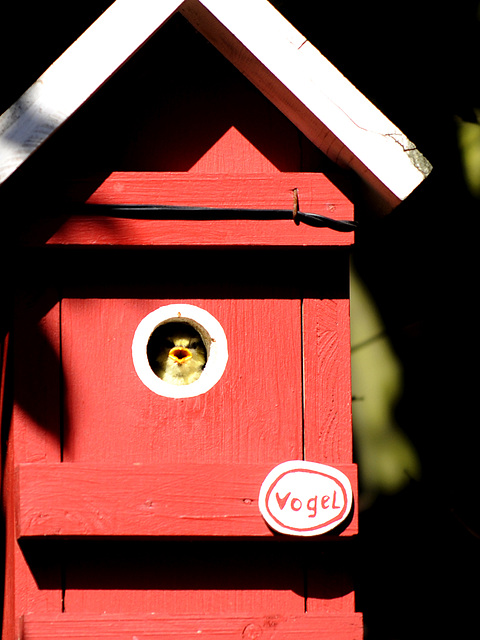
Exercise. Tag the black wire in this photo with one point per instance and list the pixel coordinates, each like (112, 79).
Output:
(150, 212)
(317, 220)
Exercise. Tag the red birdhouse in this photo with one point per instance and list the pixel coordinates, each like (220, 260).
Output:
(179, 452)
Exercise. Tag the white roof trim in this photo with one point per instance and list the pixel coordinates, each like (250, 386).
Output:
(264, 46)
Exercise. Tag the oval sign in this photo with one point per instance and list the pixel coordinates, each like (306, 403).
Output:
(305, 498)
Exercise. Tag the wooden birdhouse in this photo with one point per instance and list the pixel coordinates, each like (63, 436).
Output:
(177, 382)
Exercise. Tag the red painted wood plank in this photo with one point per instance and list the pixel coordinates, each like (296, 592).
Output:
(265, 191)
(234, 153)
(111, 417)
(249, 416)
(69, 499)
(316, 192)
(183, 234)
(328, 394)
(3, 372)
(36, 412)
(266, 627)
(34, 435)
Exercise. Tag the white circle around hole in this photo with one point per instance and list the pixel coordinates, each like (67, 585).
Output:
(212, 334)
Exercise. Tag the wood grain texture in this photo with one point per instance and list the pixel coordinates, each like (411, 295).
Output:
(243, 191)
(109, 231)
(224, 189)
(267, 627)
(154, 507)
(68, 499)
(327, 379)
(253, 414)
(110, 417)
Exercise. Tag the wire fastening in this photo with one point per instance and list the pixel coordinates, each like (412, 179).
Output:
(147, 211)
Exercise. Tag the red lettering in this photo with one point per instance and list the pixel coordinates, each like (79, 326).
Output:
(312, 506)
(334, 506)
(292, 504)
(282, 501)
(324, 502)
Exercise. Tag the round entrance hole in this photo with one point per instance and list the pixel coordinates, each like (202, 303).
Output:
(179, 351)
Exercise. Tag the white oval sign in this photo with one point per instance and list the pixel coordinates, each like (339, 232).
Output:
(305, 498)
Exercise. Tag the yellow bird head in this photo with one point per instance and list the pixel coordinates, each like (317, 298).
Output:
(177, 353)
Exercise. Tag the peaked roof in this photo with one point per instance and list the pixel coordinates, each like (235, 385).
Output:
(265, 47)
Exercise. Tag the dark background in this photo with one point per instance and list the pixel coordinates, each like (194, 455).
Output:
(417, 557)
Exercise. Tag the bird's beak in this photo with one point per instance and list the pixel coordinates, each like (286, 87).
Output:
(180, 354)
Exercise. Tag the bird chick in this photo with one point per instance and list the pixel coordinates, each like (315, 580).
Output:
(176, 353)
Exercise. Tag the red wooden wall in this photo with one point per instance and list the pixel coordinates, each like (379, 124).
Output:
(132, 515)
